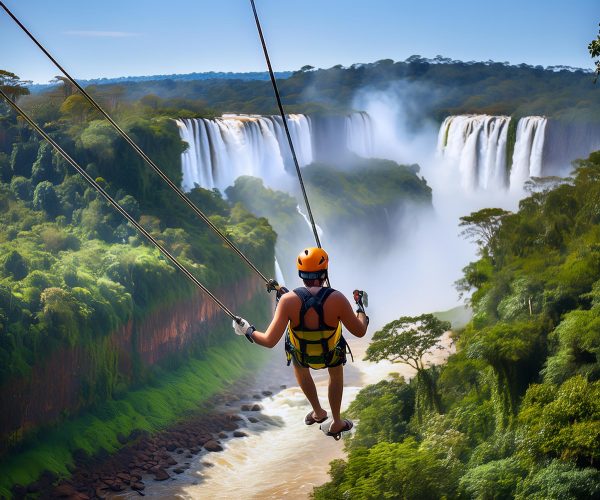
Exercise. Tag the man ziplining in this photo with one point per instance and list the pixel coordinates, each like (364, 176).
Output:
(312, 317)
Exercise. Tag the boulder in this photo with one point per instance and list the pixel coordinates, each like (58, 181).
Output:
(230, 426)
(239, 434)
(161, 474)
(126, 478)
(117, 486)
(100, 494)
(255, 407)
(213, 446)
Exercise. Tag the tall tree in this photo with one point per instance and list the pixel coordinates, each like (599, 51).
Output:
(594, 48)
(12, 85)
(481, 227)
(407, 340)
(68, 89)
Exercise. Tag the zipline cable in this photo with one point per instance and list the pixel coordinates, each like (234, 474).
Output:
(116, 205)
(139, 150)
(285, 124)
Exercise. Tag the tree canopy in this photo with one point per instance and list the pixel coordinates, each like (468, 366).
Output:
(12, 85)
(594, 48)
(407, 340)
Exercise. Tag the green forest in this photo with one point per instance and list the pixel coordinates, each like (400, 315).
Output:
(515, 411)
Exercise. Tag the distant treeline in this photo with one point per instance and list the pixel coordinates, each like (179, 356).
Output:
(435, 88)
(209, 75)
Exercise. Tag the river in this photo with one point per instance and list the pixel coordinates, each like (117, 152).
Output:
(281, 456)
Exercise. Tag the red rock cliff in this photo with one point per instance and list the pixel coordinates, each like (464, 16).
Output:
(58, 384)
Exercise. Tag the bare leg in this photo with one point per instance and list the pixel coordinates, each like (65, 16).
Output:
(336, 389)
(307, 384)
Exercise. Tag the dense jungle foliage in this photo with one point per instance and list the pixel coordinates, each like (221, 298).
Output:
(519, 401)
(444, 87)
(71, 269)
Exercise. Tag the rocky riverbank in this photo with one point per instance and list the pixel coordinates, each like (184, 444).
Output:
(146, 458)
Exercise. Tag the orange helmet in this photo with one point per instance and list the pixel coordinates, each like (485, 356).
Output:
(312, 263)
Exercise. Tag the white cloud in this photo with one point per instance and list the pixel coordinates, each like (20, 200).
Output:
(105, 34)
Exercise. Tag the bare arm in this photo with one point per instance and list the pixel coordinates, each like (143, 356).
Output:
(355, 323)
(279, 323)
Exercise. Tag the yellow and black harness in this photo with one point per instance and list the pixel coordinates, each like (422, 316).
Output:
(323, 347)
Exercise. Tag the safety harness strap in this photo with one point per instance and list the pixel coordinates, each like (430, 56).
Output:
(310, 301)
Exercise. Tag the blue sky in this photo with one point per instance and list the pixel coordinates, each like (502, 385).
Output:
(142, 37)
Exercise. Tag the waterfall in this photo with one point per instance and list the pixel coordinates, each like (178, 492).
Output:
(476, 144)
(319, 230)
(279, 273)
(359, 134)
(527, 157)
(221, 149)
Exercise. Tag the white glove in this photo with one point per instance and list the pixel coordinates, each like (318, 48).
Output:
(242, 327)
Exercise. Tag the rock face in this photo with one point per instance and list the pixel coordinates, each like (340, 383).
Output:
(54, 386)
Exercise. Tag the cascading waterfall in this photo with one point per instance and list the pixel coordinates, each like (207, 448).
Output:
(477, 145)
(527, 157)
(279, 273)
(319, 230)
(222, 149)
(359, 134)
